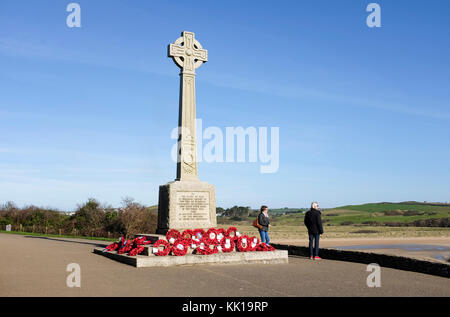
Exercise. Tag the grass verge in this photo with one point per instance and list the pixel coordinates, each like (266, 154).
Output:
(56, 235)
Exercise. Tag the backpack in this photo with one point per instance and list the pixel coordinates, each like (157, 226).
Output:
(256, 224)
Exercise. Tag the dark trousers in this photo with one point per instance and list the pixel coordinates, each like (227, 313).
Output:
(314, 238)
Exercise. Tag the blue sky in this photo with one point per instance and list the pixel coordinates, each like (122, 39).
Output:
(363, 113)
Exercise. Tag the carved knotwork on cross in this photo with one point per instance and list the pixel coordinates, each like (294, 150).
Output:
(188, 53)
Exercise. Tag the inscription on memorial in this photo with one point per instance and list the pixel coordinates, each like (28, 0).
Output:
(192, 206)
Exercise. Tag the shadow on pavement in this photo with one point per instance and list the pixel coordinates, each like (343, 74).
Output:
(97, 244)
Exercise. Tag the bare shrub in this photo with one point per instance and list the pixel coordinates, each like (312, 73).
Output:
(136, 218)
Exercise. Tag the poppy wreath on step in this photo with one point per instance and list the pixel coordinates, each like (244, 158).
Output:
(172, 235)
(203, 247)
(227, 244)
(187, 235)
(198, 235)
(254, 242)
(112, 247)
(136, 250)
(211, 235)
(264, 247)
(126, 246)
(180, 247)
(140, 241)
(243, 243)
(221, 233)
(213, 246)
(232, 233)
(194, 244)
(157, 251)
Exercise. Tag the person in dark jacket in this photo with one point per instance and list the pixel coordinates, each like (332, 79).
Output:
(313, 221)
(264, 222)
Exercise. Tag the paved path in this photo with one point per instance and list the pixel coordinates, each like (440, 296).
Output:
(36, 266)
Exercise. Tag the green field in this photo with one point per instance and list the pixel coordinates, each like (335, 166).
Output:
(375, 214)
(385, 206)
(387, 213)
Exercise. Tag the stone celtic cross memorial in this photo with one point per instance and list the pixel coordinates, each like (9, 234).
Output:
(187, 202)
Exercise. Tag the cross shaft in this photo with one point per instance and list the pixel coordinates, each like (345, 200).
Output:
(188, 54)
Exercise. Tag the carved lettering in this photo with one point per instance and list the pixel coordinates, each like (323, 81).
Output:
(192, 206)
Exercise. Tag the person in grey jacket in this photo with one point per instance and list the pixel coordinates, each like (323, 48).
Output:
(313, 221)
(263, 220)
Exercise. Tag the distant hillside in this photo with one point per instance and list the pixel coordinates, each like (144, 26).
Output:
(409, 213)
(286, 210)
(403, 206)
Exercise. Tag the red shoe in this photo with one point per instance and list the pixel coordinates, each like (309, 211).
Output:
(317, 258)
(311, 258)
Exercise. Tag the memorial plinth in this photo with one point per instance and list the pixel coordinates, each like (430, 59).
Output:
(186, 205)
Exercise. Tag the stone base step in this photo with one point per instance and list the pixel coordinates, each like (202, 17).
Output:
(151, 260)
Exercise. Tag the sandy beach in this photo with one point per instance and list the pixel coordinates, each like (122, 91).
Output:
(429, 248)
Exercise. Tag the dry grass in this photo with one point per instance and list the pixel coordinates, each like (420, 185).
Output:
(340, 211)
(284, 232)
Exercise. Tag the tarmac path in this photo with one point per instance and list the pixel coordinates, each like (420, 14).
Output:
(36, 266)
